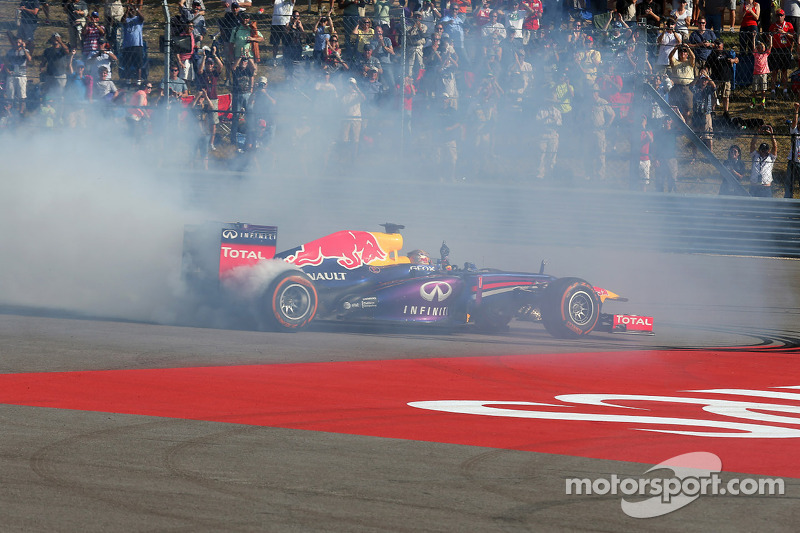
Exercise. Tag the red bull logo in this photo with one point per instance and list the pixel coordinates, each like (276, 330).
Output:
(351, 249)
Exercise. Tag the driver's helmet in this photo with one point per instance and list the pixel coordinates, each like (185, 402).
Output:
(419, 257)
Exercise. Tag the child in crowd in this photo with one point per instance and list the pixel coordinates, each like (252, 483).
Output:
(760, 73)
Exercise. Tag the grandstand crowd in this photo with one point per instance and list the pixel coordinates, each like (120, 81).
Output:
(464, 74)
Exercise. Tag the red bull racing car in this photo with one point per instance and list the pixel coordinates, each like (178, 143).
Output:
(363, 276)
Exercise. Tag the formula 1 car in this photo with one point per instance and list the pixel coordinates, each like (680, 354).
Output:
(362, 276)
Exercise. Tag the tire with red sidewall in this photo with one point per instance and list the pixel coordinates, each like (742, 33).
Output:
(571, 308)
(291, 302)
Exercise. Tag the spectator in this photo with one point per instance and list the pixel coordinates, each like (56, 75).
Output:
(481, 15)
(132, 56)
(751, 11)
(228, 23)
(792, 10)
(450, 133)
(361, 35)
(323, 30)
(77, 93)
(701, 41)
(760, 73)
(92, 33)
(734, 164)
(205, 142)
(113, 12)
(601, 116)
(368, 62)
(514, 19)
(55, 59)
(102, 58)
(196, 18)
(429, 17)
(534, 10)
(793, 163)
(326, 94)
(350, 18)
(242, 39)
(333, 56)
(549, 119)
(667, 42)
(281, 17)
(383, 50)
(28, 21)
(494, 28)
(642, 140)
(704, 94)
(763, 161)
(453, 28)
(175, 87)
(209, 72)
(518, 76)
(15, 67)
(720, 64)
(682, 75)
(244, 77)
(563, 94)
(651, 13)
(262, 107)
(713, 10)
(681, 17)
(76, 20)
(381, 13)
(104, 89)
(415, 40)
(665, 150)
(589, 61)
(351, 129)
(780, 60)
(731, 6)
(296, 38)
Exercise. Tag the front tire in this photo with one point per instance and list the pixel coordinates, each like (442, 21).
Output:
(291, 301)
(571, 308)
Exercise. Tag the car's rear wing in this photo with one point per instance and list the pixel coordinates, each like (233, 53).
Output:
(213, 249)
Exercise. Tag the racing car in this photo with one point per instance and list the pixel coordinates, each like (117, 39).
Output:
(362, 276)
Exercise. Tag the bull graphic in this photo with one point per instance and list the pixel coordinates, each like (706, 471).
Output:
(351, 249)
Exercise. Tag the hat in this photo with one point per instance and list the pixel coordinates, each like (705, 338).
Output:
(589, 39)
(95, 14)
(244, 15)
(367, 47)
(763, 147)
(56, 35)
(234, 6)
(196, 3)
(262, 80)
(781, 12)
(80, 64)
(352, 80)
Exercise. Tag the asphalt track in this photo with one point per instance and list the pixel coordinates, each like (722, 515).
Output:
(126, 426)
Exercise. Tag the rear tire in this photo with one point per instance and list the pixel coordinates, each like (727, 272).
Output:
(571, 308)
(290, 303)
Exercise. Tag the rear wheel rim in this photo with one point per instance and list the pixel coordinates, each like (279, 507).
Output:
(295, 302)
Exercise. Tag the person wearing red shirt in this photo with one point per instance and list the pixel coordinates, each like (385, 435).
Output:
(535, 10)
(780, 60)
